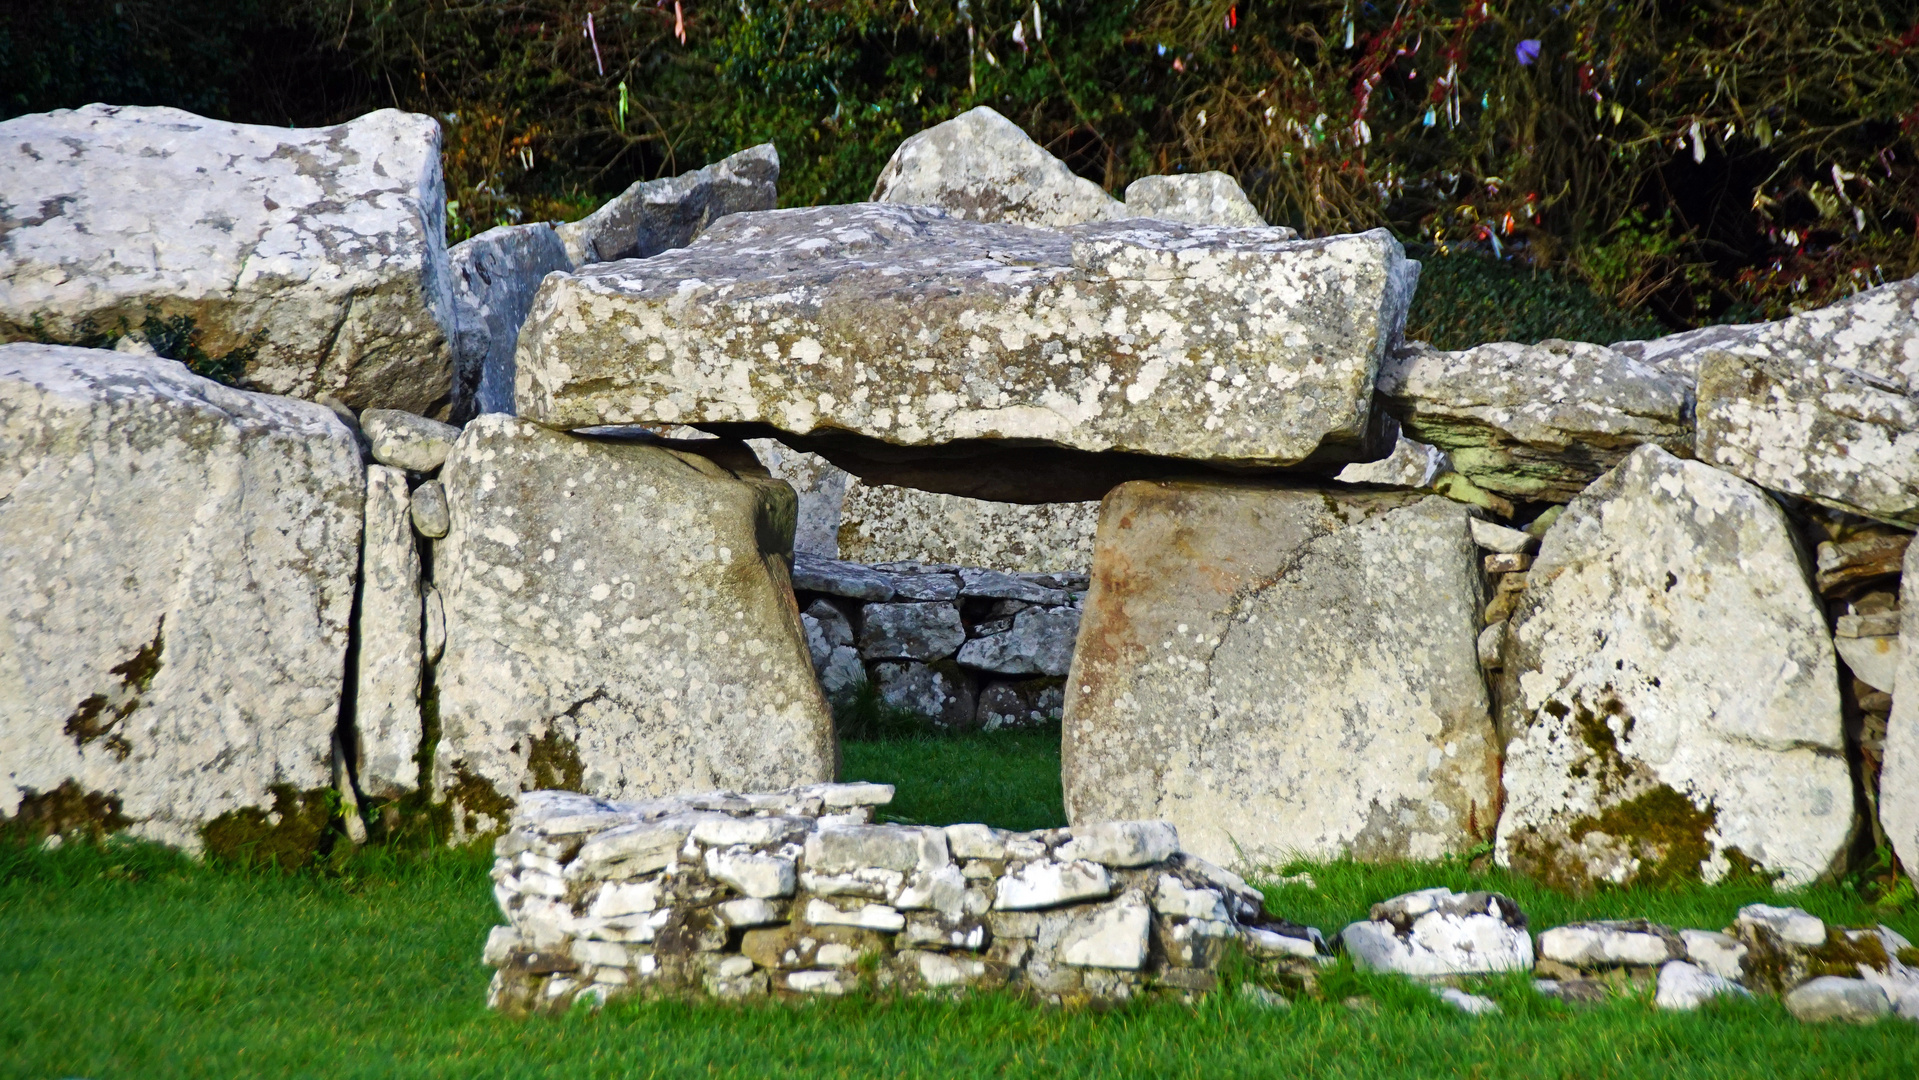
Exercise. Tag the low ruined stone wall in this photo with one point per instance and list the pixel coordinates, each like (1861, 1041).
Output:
(795, 893)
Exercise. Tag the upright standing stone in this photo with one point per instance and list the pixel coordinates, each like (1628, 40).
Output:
(495, 275)
(1824, 404)
(980, 166)
(821, 487)
(1671, 698)
(176, 574)
(620, 621)
(654, 215)
(1283, 672)
(1899, 775)
(313, 257)
(386, 701)
(984, 360)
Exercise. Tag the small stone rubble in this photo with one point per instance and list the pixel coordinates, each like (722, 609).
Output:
(795, 893)
(967, 647)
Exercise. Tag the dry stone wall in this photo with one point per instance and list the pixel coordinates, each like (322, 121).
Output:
(796, 894)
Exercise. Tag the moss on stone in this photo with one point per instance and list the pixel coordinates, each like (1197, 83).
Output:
(67, 810)
(287, 836)
(1662, 828)
(553, 763)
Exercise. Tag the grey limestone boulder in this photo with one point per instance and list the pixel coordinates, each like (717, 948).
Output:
(980, 166)
(1833, 997)
(1281, 672)
(1610, 943)
(1823, 405)
(1899, 772)
(1208, 198)
(885, 523)
(405, 441)
(1024, 703)
(429, 510)
(654, 215)
(911, 631)
(386, 702)
(1440, 932)
(1683, 987)
(1678, 355)
(1534, 421)
(317, 256)
(822, 488)
(984, 360)
(1670, 698)
(1040, 642)
(177, 567)
(619, 621)
(854, 581)
(940, 692)
(495, 275)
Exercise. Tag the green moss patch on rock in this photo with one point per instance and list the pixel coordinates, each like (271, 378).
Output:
(67, 810)
(553, 762)
(287, 836)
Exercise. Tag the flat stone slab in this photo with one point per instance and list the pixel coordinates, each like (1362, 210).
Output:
(987, 360)
(1283, 672)
(318, 254)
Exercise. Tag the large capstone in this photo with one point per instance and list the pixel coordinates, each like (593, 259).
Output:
(987, 360)
(310, 260)
(1282, 673)
(1670, 696)
(176, 574)
(653, 215)
(980, 166)
(1535, 421)
(619, 621)
(1899, 775)
(1823, 405)
(495, 276)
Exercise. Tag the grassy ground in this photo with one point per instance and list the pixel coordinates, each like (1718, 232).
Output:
(130, 961)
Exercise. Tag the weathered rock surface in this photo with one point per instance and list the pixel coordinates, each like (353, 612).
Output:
(1440, 932)
(912, 631)
(176, 574)
(316, 255)
(980, 166)
(618, 621)
(495, 276)
(822, 488)
(1026, 703)
(984, 360)
(1823, 405)
(386, 700)
(1670, 698)
(883, 523)
(1832, 997)
(1715, 953)
(405, 441)
(429, 510)
(1208, 198)
(1610, 943)
(1281, 672)
(1679, 355)
(655, 215)
(1534, 421)
(1683, 987)
(1040, 642)
(1899, 775)
(939, 692)
(1411, 464)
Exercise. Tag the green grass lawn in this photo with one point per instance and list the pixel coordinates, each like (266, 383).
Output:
(132, 962)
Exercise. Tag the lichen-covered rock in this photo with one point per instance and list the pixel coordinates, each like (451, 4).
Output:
(1441, 932)
(1039, 642)
(911, 631)
(1899, 774)
(1605, 944)
(1411, 464)
(314, 257)
(1670, 698)
(176, 574)
(654, 215)
(882, 523)
(979, 359)
(980, 166)
(1281, 672)
(1025, 703)
(405, 441)
(1208, 198)
(1678, 355)
(495, 276)
(1823, 405)
(386, 702)
(619, 621)
(822, 488)
(941, 692)
(1534, 421)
